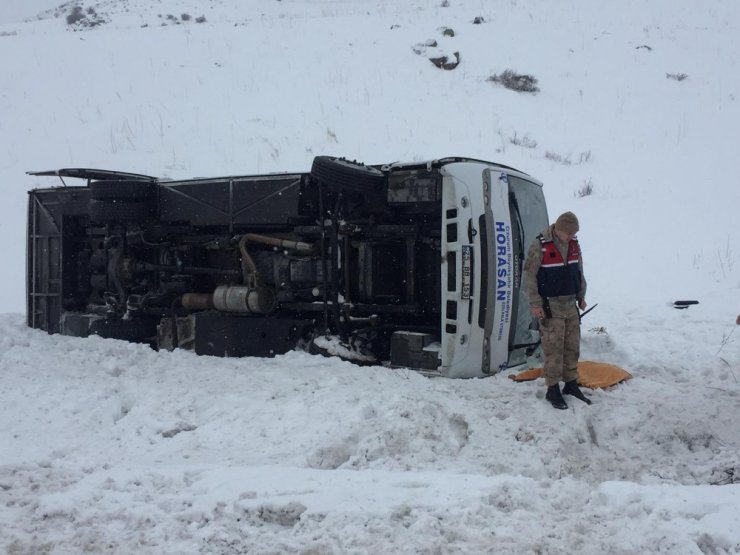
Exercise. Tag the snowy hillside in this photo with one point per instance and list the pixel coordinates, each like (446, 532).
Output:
(108, 447)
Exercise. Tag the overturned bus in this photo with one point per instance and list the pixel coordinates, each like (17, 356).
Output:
(412, 265)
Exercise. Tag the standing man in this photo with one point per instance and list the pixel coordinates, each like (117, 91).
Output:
(553, 277)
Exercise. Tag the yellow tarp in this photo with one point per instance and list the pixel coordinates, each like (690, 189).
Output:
(590, 374)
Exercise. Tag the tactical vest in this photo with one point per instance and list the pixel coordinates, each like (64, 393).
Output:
(558, 277)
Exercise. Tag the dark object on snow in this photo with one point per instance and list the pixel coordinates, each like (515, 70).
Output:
(555, 397)
(580, 316)
(478, 20)
(683, 304)
(444, 62)
(571, 388)
(516, 82)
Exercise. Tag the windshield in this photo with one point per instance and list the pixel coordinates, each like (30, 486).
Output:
(529, 218)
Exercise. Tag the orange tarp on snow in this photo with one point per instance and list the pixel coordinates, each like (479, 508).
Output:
(590, 374)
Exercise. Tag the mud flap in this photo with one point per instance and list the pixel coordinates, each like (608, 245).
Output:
(414, 350)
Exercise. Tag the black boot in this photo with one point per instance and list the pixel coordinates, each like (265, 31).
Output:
(556, 399)
(571, 388)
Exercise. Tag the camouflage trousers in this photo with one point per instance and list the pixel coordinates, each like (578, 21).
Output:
(561, 345)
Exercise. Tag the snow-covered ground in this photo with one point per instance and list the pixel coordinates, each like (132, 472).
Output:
(108, 447)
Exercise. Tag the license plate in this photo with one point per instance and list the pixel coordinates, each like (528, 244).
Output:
(467, 263)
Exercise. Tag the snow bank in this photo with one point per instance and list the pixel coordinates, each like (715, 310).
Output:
(113, 447)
